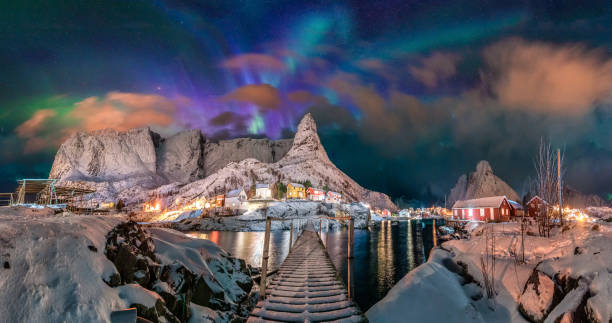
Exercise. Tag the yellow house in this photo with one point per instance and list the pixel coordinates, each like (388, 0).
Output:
(296, 191)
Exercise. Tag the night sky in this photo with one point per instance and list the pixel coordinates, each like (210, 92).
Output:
(408, 95)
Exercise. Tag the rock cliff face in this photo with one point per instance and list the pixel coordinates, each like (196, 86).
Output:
(218, 155)
(481, 183)
(138, 164)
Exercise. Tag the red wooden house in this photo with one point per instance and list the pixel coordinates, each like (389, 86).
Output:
(315, 194)
(536, 206)
(494, 208)
(220, 200)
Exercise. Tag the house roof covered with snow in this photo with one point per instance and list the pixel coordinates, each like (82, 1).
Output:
(334, 193)
(492, 201)
(262, 185)
(296, 185)
(515, 205)
(537, 198)
(234, 193)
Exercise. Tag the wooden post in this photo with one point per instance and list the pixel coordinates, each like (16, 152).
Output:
(350, 239)
(560, 186)
(264, 259)
(291, 236)
(320, 227)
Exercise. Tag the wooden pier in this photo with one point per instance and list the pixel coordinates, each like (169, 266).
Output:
(306, 288)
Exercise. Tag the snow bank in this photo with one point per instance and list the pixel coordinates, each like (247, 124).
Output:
(56, 265)
(430, 293)
(566, 277)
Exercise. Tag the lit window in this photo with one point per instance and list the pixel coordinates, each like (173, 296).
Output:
(470, 213)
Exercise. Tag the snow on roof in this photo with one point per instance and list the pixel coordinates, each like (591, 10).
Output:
(296, 185)
(333, 193)
(492, 201)
(262, 185)
(234, 193)
(515, 205)
(315, 189)
(539, 198)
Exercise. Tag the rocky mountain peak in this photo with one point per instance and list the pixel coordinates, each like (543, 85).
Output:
(481, 183)
(483, 167)
(306, 143)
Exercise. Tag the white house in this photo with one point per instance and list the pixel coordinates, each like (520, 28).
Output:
(333, 197)
(235, 199)
(263, 191)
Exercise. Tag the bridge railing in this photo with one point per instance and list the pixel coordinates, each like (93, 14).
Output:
(301, 223)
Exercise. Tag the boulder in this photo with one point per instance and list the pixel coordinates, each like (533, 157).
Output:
(539, 297)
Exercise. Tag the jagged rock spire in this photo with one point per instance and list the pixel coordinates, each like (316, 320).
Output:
(306, 143)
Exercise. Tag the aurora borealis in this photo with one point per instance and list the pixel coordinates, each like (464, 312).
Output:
(408, 95)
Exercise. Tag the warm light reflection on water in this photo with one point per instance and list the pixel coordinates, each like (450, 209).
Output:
(381, 257)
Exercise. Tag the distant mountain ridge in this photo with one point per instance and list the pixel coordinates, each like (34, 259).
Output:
(136, 164)
(481, 183)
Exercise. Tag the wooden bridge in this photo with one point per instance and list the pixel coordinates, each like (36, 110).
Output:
(307, 287)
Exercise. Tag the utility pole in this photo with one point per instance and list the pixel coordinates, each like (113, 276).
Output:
(559, 185)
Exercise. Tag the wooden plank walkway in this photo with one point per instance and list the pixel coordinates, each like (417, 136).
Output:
(306, 288)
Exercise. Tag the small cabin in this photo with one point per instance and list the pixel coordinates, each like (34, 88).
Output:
(219, 200)
(333, 197)
(536, 206)
(516, 209)
(385, 212)
(315, 194)
(235, 199)
(494, 208)
(263, 191)
(296, 191)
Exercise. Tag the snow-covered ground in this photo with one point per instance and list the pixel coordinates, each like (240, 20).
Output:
(53, 268)
(566, 277)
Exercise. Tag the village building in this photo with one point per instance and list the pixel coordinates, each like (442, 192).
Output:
(385, 212)
(315, 194)
(263, 191)
(333, 197)
(494, 208)
(235, 199)
(296, 191)
(516, 209)
(219, 200)
(536, 206)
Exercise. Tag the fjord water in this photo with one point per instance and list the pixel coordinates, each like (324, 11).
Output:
(381, 257)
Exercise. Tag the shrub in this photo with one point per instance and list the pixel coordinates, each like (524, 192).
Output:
(595, 227)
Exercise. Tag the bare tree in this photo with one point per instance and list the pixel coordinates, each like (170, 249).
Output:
(547, 184)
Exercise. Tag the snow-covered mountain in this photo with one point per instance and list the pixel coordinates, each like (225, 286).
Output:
(138, 164)
(481, 183)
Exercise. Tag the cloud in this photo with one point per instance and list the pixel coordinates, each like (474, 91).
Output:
(117, 110)
(305, 97)
(435, 68)
(255, 61)
(122, 111)
(31, 126)
(263, 95)
(229, 119)
(547, 77)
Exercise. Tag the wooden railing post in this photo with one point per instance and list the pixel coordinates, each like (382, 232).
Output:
(320, 227)
(264, 259)
(291, 236)
(350, 238)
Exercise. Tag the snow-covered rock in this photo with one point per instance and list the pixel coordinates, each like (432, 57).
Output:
(538, 297)
(181, 157)
(481, 183)
(429, 293)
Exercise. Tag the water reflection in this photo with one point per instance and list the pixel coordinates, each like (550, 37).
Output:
(381, 257)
